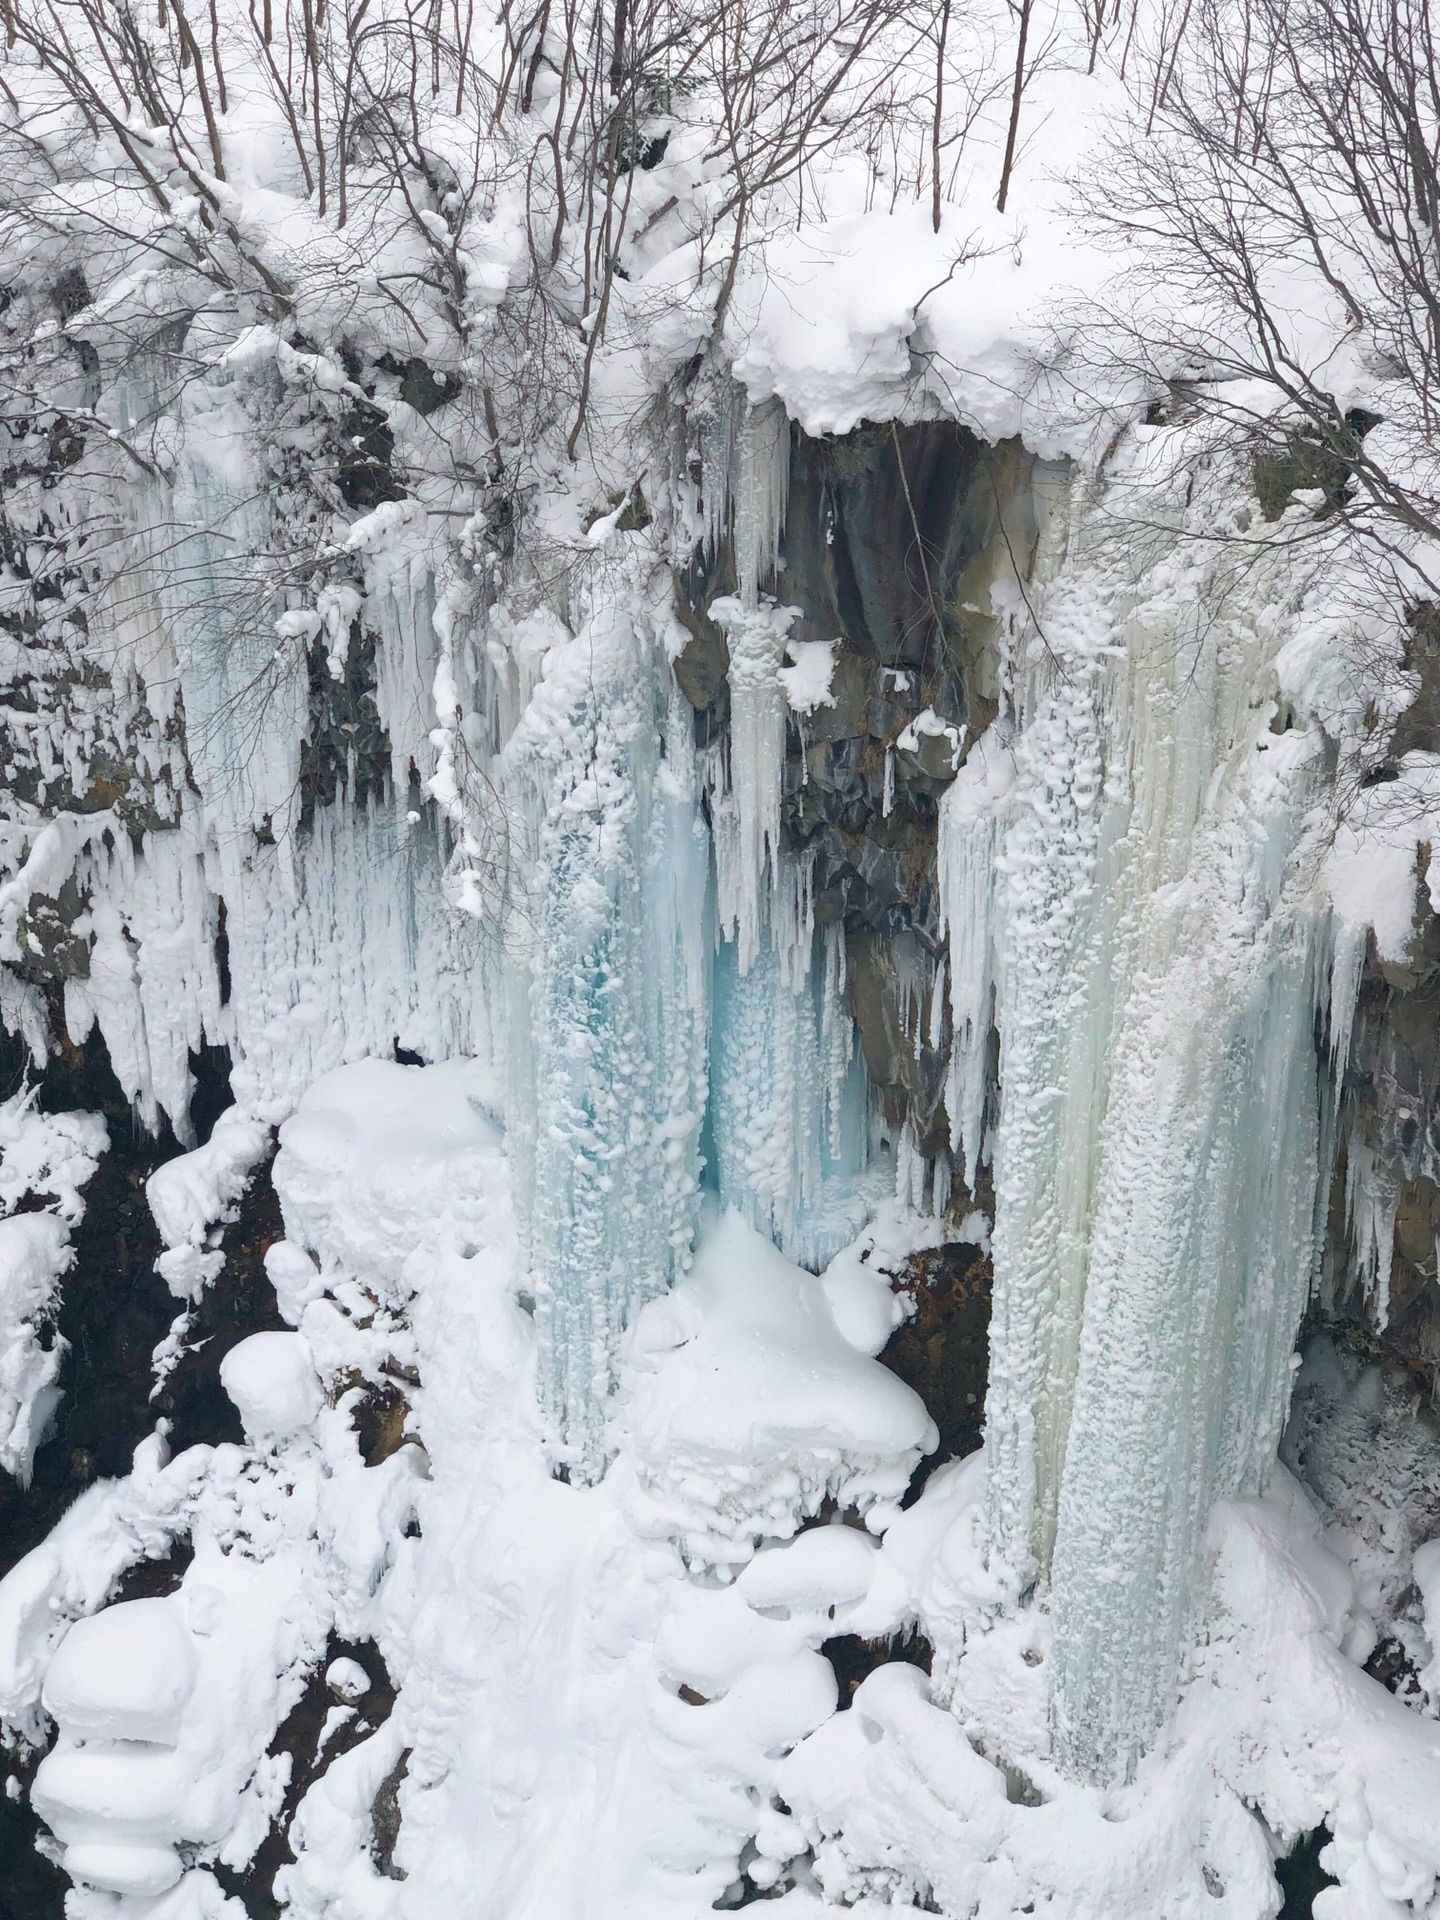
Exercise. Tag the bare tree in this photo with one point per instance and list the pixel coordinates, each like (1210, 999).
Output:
(1282, 212)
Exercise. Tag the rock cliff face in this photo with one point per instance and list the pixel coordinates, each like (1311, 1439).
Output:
(894, 540)
(895, 537)
(1386, 1213)
(1384, 1227)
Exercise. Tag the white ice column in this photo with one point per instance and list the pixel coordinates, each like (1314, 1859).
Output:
(1160, 1148)
(972, 814)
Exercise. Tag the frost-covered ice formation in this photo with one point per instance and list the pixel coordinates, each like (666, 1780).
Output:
(1162, 1153)
(359, 742)
(42, 1157)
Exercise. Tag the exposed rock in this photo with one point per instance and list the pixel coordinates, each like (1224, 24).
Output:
(893, 537)
(385, 1819)
(943, 1349)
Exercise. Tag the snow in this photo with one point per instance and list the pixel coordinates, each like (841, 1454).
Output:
(907, 1801)
(1373, 870)
(801, 1400)
(124, 1674)
(47, 1153)
(34, 1254)
(348, 1679)
(271, 1379)
(863, 312)
(192, 1196)
(807, 680)
(373, 1162)
(43, 1158)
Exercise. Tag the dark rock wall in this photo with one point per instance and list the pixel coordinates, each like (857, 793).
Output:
(892, 537)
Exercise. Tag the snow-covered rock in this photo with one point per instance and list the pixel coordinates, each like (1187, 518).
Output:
(124, 1674)
(271, 1379)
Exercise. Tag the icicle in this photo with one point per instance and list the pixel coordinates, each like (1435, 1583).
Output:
(910, 1170)
(1372, 1201)
(756, 637)
(394, 542)
(837, 1038)
(940, 1193)
(755, 629)
(759, 493)
(971, 815)
(789, 1111)
(1346, 965)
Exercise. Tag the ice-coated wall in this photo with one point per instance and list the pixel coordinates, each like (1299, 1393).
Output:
(1158, 957)
(1105, 963)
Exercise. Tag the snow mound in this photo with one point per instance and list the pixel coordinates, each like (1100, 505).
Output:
(124, 1674)
(377, 1161)
(192, 1194)
(46, 1157)
(271, 1379)
(746, 1405)
(47, 1153)
(34, 1253)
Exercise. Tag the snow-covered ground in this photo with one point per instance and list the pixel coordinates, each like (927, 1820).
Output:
(611, 1699)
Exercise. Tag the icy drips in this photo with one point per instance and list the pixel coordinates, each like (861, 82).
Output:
(788, 1103)
(970, 831)
(748, 854)
(746, 777)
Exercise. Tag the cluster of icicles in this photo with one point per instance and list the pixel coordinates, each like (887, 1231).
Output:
(1143, 934)
(1139, 933)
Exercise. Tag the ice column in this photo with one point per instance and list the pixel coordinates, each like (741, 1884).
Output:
(1158, 1159)
(610, 959)
(755, 627)
(971, 817)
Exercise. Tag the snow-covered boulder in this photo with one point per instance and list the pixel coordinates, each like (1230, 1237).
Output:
(271, 1379)
(124, 1674)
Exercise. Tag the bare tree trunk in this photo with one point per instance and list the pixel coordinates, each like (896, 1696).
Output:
(939, 107)
(1015, 98)
(617, 55)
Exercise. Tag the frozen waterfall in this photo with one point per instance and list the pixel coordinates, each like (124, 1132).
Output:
(1161, 1150)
